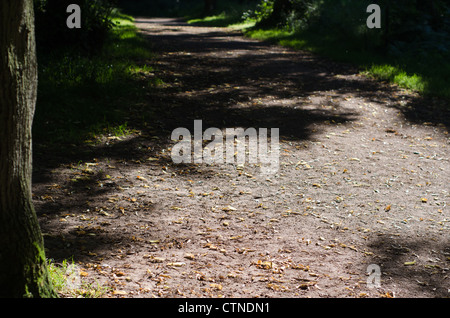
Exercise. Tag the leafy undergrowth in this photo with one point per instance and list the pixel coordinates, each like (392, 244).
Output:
(223, 20)
(68, 280)
(82, 97)
(231, 14)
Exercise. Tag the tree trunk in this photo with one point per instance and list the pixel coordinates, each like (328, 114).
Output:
(23, 269)
(280, 7)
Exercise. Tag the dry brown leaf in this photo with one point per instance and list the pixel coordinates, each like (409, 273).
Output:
(229, 208)
(176, 264)
(120, 292)
(216, 286)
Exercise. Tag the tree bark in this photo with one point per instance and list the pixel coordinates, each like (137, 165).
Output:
(280, 7)
(23, 269)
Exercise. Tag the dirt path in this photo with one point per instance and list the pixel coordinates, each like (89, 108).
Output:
(363, 179)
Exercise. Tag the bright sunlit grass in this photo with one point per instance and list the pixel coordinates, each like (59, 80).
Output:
(223, 20)
(397, 75)
(67, 280)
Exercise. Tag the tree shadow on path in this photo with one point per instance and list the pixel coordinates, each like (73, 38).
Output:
(207, 74)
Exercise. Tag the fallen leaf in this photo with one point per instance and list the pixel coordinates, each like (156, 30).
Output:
(176, 264)
(229, 208)
(264, 264)
(120, 292)
(216, 286)
(211, 246)
(276, 287)
(155, 259)
(410, 263)
(301, 267)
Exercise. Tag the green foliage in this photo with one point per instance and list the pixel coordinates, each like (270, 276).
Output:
(67, 279)
(83, 96)
(407, 24)
(52, 31)
(234, 10)
(262, 12)
(233, 13)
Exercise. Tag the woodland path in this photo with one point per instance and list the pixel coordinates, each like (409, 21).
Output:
(363, 179)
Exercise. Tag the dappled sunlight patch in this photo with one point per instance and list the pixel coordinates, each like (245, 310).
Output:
(347, 188)
(398, 76)
(70, 281)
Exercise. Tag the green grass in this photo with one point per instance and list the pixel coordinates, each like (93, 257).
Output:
(228, 14)
(68, 282)
(223, 20)
(398, 75)
(80, 97)
(426, 75)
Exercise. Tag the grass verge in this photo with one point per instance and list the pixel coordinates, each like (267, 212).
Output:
(223, 20)
(428, 75)
(227, 14)
(67, 279)
(80, 97)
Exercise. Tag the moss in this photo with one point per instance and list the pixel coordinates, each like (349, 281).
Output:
(38, 284)
(43, 282)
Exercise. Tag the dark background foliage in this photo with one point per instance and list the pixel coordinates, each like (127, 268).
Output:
(51, 30)
(418, 25)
